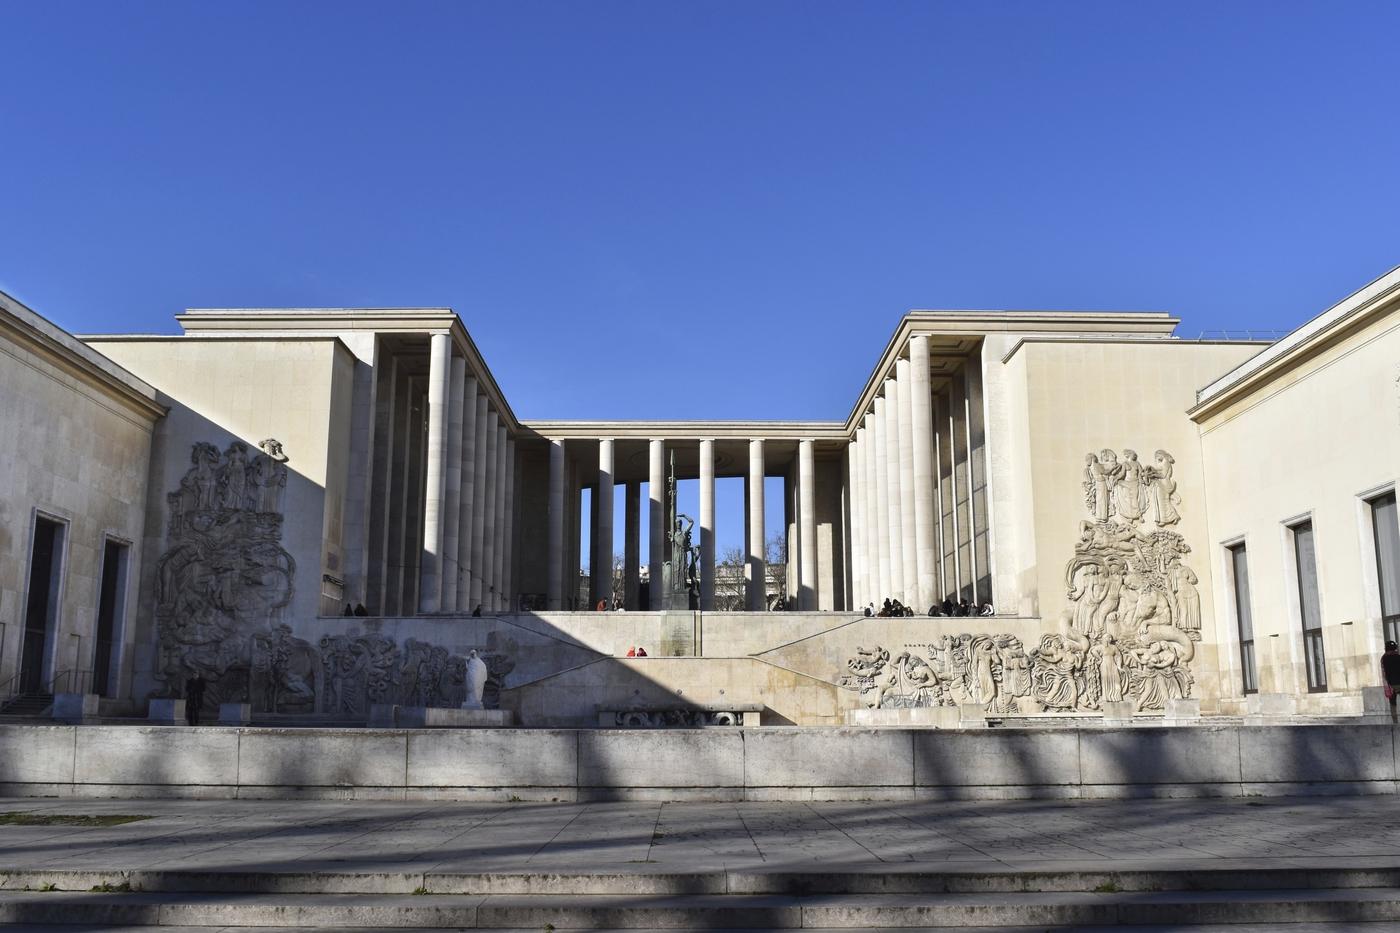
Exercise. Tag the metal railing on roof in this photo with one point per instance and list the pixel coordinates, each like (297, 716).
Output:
(1242, 335)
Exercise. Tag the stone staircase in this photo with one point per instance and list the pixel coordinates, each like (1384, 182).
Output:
(1331, 899)
(27, 705)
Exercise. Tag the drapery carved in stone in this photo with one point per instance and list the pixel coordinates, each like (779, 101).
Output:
(224, 579)
(360, 671)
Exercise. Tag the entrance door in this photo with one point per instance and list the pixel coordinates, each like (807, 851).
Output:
(41, 610)
(110, 603)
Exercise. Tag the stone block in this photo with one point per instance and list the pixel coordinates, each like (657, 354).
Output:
(167, 712)
(1373, 702)
(751, 719)
(1270, 705)
(235, 714)
(75, 707)
(493, 758)
(1208, 755)
(1118, 711)
(972, 715)
(383, 716)
(661, 758)
(1181, 710)
(144, 755)
(828, 758)
(1313, 754)
(312, 757)
(36, 754)
(434, 717)
(996, 757)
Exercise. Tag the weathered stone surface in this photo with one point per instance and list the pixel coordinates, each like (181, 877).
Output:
(235, 714)
(1000, 758)
(429, 717)
(36, 754)
(1317, 754)
(301, 757)
(662, 758)
(1160, 756)
(492, 758)
(155, 756)
(170, 712)
(75, 707)
(828, 758)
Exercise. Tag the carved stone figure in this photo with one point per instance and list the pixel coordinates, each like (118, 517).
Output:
(476, 681)
(1096, 491)
(1164, 496)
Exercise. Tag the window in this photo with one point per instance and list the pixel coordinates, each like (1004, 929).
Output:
(111, 607)
(1249, 673)
(1386, 529)
(1305, 556)
(41, 605)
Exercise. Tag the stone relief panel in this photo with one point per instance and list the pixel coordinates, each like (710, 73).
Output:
(363, 670)
(224, 577)
(1130, 632)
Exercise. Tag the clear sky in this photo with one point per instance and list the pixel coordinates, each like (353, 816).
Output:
(748, 194)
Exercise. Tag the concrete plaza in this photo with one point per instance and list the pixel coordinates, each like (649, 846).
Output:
(1320, 863)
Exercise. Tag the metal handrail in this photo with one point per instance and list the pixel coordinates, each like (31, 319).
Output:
(80, 681)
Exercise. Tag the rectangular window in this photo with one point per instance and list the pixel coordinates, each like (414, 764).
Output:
(1249, 673)
(1305, 556)
(1386, 528)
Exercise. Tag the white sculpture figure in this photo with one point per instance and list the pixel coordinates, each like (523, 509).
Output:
(1129, 495)
(476, 681)
(1164, 497)
(1096, 488)
(1188, 598)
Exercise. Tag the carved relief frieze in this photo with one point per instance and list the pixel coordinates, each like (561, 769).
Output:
(1130, 631)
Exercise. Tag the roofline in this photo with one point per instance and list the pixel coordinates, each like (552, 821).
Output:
(1309, 338)
(698, 430)
(37, 333)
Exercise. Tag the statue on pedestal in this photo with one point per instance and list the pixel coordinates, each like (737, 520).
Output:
(680, 574)
(476, 682)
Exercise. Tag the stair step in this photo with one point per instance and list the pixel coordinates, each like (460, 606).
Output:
(593, 912)
(826, 881)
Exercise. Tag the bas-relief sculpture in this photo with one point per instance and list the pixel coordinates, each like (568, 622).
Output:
(223, 582)
(1130, 632)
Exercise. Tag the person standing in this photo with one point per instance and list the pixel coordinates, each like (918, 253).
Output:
(1390, 674)
(194, 698)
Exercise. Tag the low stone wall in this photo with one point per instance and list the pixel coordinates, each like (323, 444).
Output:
(695, 764)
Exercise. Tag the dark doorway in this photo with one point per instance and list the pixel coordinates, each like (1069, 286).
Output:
(110, 604)
(41, 608)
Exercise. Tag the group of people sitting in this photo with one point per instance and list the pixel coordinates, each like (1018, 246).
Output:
(894, 608)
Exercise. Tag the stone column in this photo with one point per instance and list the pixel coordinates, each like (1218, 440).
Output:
(707, 524)
(872, 510)
(467, 467)
(894, 502)
(656, 519)
(499, 555)
(508, 551)
(806, 526)
(430, 571)
(488, 539)
(952, 462)
(555, 592)
(758, 571)
(452, 499)
(632, 547)
(922, 447)
(856, 498)
(478, 547)
(603, 541)
(908, 549)
(882, 500)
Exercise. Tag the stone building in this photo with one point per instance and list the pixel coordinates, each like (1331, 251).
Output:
(1153, 519)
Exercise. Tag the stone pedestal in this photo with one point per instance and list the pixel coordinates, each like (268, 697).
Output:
(1180, 711)
(1266, 706)
(75, 708)
(382, 715)
(235, 714)
(677, 635)
(1118, 713)
(941, 717)
(972, 716)
(167, 712)
(1374, 706)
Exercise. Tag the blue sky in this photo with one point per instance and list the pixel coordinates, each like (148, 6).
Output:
(754, 192)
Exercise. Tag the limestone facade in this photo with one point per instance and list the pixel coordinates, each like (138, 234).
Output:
(1088, 476)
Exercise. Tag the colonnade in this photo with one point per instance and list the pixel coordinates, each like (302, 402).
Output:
(443, 488)
(917, 488)
(562, 503)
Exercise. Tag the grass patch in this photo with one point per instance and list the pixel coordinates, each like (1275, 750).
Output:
(65, 819)
(1108, 887)
(420, 890)
(107, 887)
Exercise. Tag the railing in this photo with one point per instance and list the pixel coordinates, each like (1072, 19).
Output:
(70, 682)
(1243, 335)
